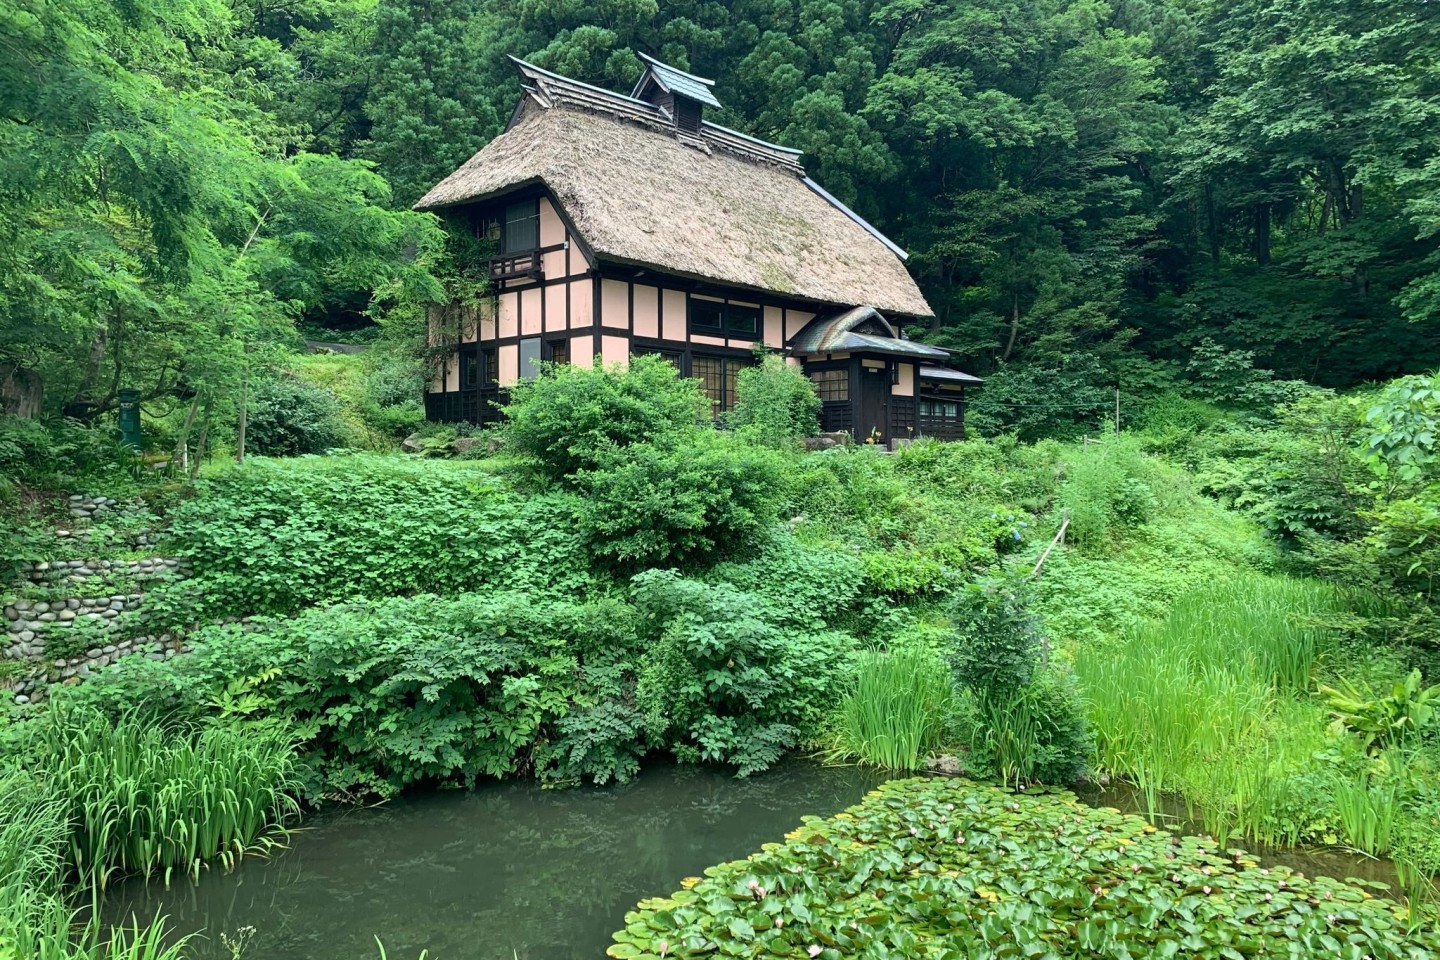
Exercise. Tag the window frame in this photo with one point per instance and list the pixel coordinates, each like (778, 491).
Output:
(727, 327)
(533, 205)
(728, 379)
(828, 378)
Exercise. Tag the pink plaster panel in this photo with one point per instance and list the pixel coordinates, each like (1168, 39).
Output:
(529, 312)
(582, 298)
(509, 364)
(774, 335)
(647, 311)
(554, 308)
(552, 228)
(615, 350)
(672, 326)
(487, 320)
(582, 351)
(614, 304)
(906, 386)
(795, 321)
(709, 341)
(509, 322)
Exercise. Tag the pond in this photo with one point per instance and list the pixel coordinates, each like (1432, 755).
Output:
(514, 872)
(506, 872)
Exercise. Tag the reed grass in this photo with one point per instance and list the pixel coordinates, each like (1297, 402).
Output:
(1368, 811)
(1191, 704)
(146, 799)
(36, 922)
(896, 711)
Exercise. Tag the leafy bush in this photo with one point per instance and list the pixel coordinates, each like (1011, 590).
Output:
(390, 693)
(722, 682)
(1107, 489)
(1384, 720)
(648, 504)
(807, 586)
(273, 535)
(1034, 402)
(776, 404)
(287, 417)
(572, 418)
(62, 454)
(1029, 724)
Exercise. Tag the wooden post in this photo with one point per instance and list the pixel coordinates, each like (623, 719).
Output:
(1059, 538)
(1117, 408)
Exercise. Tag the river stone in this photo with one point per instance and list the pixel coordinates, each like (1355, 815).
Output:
(65, 615)
(40, 607)
(22, 699)
(26, 635)
(46, 618)
(93, 652)
(72, 604)
(69, 672)
(110, 648)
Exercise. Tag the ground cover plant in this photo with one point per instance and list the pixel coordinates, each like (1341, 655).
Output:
(949, 868)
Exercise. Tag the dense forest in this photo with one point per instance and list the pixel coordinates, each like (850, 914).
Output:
(1094, 192)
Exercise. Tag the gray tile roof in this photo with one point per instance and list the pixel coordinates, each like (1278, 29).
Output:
(679, 82)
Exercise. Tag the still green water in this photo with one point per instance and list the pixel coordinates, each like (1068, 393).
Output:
(507, 871)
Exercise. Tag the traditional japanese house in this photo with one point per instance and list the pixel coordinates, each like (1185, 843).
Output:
(622, 225)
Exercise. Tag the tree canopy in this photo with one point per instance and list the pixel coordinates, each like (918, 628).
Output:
(181, 182)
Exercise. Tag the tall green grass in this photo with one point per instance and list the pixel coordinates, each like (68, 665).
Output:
(143, 798)
(1189, 703)
(896, 711)
(36, 923)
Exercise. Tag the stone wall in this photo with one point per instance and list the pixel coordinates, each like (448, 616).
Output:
(66, 619)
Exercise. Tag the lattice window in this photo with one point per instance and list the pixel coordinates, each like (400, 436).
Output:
(832, 384)
(710, 371)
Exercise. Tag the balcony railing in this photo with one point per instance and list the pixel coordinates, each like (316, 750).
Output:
(515, 265)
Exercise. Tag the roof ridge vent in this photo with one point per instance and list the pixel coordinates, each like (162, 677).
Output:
(683, 95)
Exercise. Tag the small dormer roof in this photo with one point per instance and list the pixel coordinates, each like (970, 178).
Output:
(675, 82)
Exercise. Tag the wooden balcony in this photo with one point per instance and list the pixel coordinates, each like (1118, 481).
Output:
(514, 266)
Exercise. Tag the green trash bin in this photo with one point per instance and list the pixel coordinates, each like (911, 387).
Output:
(130, 418)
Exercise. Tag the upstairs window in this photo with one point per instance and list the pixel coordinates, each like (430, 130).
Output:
(522, 227)
(715, 318)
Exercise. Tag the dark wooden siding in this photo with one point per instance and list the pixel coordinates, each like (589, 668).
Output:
(837, 415)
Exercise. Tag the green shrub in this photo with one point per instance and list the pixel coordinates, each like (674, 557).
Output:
(572, 418)
(62, 454)
(721, 681)
(287, 417)
(1035, 402)
(274, 535)
(390, 693)
(649, 504)
(1108, 489)
(808, 586)
(1028, 720)
(895, 712)
(776, 404)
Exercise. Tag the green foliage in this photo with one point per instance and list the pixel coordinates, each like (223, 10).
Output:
(776, 404)
(272, 536)
(1202, 701)
(391, 693)
(146, 799)
(1405, 427)
(895, 712)
(1384, 720)
(59, 453)
(288, 417)
(1107, 490)
(571, 419)
(648, 504)
(723, 681)
(1072, 881)
(1066, 400)
(1028, 724)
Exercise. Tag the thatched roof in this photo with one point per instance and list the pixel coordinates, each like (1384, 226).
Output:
(717, 206)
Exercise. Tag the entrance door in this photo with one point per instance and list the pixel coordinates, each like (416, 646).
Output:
(874, 391)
